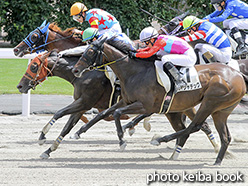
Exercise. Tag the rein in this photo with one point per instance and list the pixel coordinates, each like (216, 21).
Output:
(105, 64)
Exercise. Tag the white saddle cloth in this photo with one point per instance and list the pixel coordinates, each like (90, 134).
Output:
(189, 74)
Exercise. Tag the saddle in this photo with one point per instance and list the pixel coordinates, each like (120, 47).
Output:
(190, 76)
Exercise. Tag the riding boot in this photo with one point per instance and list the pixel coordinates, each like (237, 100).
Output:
(197, 56)
(241, 48)
(116, 95)
(209, 57)
(178, 79)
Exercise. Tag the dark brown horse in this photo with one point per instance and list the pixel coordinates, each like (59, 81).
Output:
(222, 89)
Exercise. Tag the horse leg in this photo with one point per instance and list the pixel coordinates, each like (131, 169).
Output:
(111, 118)
(135, 121)
(133, 108)
(98, 117)
(203, 112)
(72, 108)
(205, 128)
(178, 123)
(74, 118)
(220, 121)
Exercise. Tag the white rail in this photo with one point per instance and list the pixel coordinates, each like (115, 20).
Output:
(7, 53)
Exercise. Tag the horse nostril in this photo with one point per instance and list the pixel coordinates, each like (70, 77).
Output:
(75, 71)
(19, 86)
(15, 50)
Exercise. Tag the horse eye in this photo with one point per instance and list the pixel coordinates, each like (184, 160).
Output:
(90, 52)
(172, 23)
(34, 37)
(34, 67)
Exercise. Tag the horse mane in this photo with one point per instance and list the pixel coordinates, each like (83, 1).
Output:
(120, 45)
(65, 33)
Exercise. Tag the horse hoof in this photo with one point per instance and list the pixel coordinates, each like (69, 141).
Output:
(123, 129)
(42, 141)
(123, 146)
(75, 136)
(229, 155)
(131, 131)
(44, 156)
(147, 125)
(155, 143)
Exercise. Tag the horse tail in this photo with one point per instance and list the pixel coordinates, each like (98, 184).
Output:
(246, 80)
(244, 100)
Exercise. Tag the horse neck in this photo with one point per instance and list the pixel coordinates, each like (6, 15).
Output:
(124, 68)
(61, 44)
(62, 71)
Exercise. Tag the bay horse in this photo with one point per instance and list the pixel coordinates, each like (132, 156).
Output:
(222, 89)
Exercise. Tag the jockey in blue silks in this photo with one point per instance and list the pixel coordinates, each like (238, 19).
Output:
(239, 11)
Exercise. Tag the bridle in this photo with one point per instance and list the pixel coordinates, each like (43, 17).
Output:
(42, 37)
(97, 58)
(41, 74)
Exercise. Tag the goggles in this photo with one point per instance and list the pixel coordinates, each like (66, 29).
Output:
(216, 6)
(76, 17)
(147, 42)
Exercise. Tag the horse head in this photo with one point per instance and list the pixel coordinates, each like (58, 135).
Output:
(36, 73)
(174, 27)
(34, 42)
(90, 58)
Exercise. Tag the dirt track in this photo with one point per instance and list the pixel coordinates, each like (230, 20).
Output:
(95, 159)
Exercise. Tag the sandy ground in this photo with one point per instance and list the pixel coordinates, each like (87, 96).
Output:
(95, 159)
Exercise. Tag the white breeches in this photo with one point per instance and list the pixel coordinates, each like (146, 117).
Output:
(115, 29)
(235, 22)
(222, 55)
(187, 59)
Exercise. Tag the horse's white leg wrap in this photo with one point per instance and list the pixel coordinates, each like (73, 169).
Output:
(213, 141)
(176, 152)
(48, 126)
(56, 143)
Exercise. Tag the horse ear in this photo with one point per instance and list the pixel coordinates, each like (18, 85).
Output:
(102, 40)
(43, 30)
(43, 24)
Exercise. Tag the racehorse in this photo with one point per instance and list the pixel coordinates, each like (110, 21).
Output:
(222, 89)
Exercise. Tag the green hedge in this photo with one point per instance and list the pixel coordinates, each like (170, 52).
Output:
(19, 17)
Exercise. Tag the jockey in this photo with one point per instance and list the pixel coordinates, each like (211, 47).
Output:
(97, 18)
(172, 49)
(217, 48)
(236, 9)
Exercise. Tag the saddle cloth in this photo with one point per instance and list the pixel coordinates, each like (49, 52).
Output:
(112, 78)
(189, 74)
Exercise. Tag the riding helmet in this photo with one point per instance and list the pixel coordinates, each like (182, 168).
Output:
(77, 7)
(90, 33)
(148, 33)
(189, 22)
